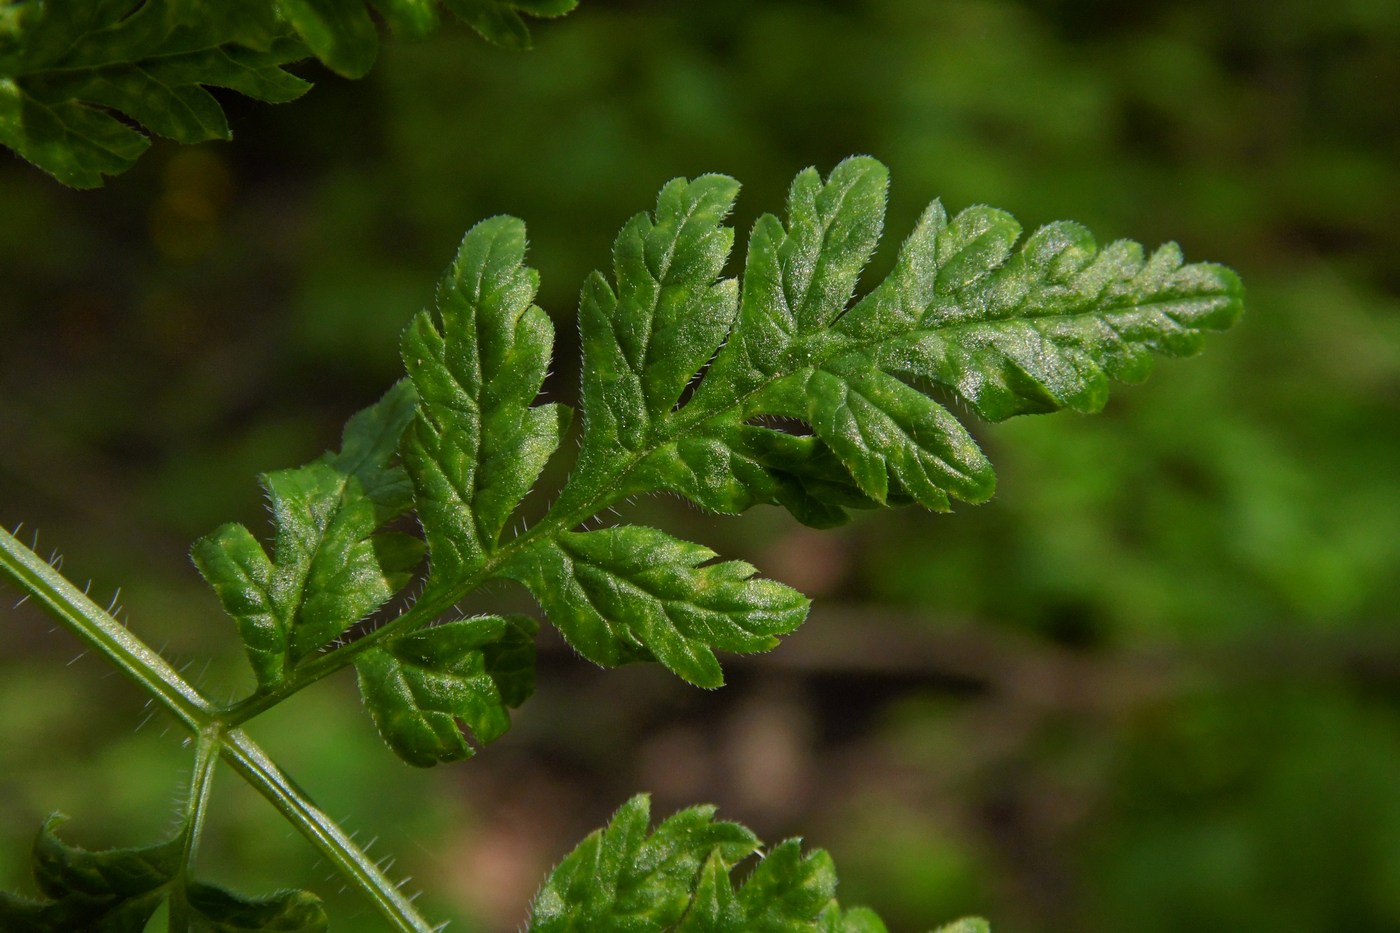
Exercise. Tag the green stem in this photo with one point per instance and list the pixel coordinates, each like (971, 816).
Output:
(33, 576)
(323, 832)
(93, 626)
(210, 743)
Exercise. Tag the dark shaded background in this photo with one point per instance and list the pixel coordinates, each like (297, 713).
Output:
(1152, 686)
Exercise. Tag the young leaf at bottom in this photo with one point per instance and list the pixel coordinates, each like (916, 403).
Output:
(329, 569)
(621, 878)
(418, 686)
(220, 911)
(118, 891)
(678, 880)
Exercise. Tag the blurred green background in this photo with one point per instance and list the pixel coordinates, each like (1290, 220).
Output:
(1153, 686)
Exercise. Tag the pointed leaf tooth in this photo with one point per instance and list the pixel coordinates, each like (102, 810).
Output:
(371, 440)
(621, 878)
(972, 247)
(904, 298)
(787, 888)
(765, 327)
(715, 908)
(799, 278)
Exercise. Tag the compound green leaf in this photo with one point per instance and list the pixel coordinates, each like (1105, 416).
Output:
(631, 592)
(1007, 331)
(419, 686)
(66, 68)
(329, 568)
(622, 879)
(1040, 328)
(342, 35)
(477, 444)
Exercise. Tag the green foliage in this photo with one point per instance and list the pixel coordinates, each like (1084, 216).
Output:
(419, 685)
(1007, 331)
(64, 67)
(329, 569)
(678, 878)
(632, 593)
(118, 891)
(477, 445)
(67, 69)
(684, 370)
(342, 35)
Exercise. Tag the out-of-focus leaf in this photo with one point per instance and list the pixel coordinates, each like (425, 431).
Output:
(64, 69)
(115, 890)
(220, 911)
(118, 891)
(502, 22)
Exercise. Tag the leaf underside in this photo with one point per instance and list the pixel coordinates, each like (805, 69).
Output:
(79, 81)
(678, 878)
(118, 891)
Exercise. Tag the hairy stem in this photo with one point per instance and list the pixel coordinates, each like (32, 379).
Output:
(207, 749)
(324, 833)
(95, 627)
(33, 576)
